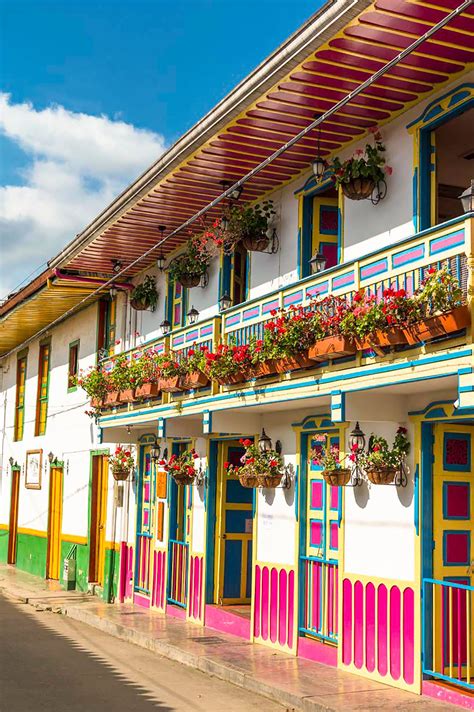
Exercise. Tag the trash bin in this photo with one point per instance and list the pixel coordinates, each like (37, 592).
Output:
(69, 573)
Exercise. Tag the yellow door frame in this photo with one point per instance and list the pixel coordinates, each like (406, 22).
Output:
(55, 517)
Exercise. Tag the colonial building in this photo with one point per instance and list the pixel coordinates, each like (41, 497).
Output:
(377, 579)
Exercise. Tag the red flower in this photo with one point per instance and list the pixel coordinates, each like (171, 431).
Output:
(191, 352)
(226, 465)
(247, 442)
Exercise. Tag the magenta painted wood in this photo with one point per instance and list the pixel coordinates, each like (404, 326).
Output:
(409, 636)
(123, 571)
(316, 494)
(257, 603)
(447, 694)
(274, 595)
(382, 656)
(195, 587)
(129, 584)
(175, 612)
(395, 632)
(291, 606)
(358, 624)
(227, 622)
(142, 601)
(310, 649)
(346, 622)
(334, 498)
(158, 591)
(265, 602)
(370, 628)
(283, 618)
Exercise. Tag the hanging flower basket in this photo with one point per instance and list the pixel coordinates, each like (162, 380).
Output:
(195, 379)
(181, 467)
(170, 385)
(190, 280)
(255, 242)
(265, 368)
(269, 481)
(112, 398)
(337, 478)
(293, 363)
(249, 481)
(381, 475)
(358, 188)
(182, 478)
(127, 396)
(332, 347)
(120, 473)
(139, 305)
(147, 390)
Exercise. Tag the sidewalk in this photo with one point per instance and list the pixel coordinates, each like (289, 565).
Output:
(293, 682)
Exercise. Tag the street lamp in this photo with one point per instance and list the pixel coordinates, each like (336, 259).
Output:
(318, 262)
(193, 315)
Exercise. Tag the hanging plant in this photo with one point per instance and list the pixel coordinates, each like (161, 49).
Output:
(253, 226)
(360, 175)
(181, 467)
(145, 295)
(327, 456)
(258, 469)
(121, 463)
(95, 383)
(381, 462)
(189, 267)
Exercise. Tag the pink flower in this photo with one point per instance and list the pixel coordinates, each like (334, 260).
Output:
(388, 170)
(359, 152)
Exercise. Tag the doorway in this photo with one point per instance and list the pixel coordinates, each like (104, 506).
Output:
(320, 229)
(13, 523)
(233, 533)
(146, 492)
(55, 518)
(181, 498)
(98, 509)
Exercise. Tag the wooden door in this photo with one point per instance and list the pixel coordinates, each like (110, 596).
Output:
(13, 525)
(453, 553)
(55, 518)
(235, 506)
(98, 518)
(145, 521)
(325, 233)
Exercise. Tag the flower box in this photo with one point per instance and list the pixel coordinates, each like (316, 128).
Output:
(120, 473)
(97, 402)
(337, 478)
(196, 379)
(265, 368)
(256, 242)
(170, 385)
(434, 327)
(390, 337)
(249, 481)
(358, 188)
(381, 475)
(231, 378)
(112, 398)
(332, 347)
(293, 363)
(269, 481)
(147, 390)
(183, 478)
(127, 396)
(190, 280)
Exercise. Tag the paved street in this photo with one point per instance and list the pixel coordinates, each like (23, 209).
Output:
(52, 663)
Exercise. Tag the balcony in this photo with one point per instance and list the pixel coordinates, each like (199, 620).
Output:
(402, 265)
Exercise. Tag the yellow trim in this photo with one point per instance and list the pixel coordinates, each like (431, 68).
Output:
(112, 545)
(32, 532)
(74, 539)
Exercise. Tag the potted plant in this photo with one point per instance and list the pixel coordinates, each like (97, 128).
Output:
(327, 456)
(144, 295)
(359, 175)
(381, 463)
(330, 341)
(251, 225)
(144, 375)
(366, 323)
(229, 364)
(194, 365)
(258, 469)
(171, 372)
(94, 382)
(181, 467)
(121, 390)
(189, 267)
(288, 337)
(262, 363)
(121, 463)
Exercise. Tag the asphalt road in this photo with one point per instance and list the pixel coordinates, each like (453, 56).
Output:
(51, 663)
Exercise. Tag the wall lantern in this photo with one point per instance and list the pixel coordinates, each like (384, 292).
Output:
(155, 452)
(236, 193)
(319, 164)
(318, 262)
(113, 291)
(225, 302)
(161, 259)
(193, 315)
(11, 461)
(357, 438)
(264, 442)
(165, 327)
(467, 198)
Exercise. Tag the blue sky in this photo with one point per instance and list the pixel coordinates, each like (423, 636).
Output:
(92, 92)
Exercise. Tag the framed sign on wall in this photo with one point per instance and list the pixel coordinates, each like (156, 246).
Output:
(34, 461)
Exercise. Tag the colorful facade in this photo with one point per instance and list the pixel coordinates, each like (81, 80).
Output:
(376, 579)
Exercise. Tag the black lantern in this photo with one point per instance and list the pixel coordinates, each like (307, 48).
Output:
(116, 265)
(225, 302)
(113, 291)
(165, 327)
(224, 223)
(51, 457)
(235, 194)
(264, 442)
(11, 461)
(193, 315)
(160, 261)
(155, 452)
(467, 198)
(319, 164)
(357, 438)
(318, 262)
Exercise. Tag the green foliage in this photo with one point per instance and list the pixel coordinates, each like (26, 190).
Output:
(256, 463)
(146, 292)
(365, 163)
(194, 261)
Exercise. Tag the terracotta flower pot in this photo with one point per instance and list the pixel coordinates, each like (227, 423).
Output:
(265, 368)
(196, 379)
(332, 347)
(112, 398)
(170, 385)
(231, 378)
(269, 481)
(190, 280)
(138, 305)
(358, 188)
(293, 363)
(120, 473)
(127, 396)
(183, 478)
(147, 390)
(337, 478)
(249, 481)
(434, 327)
(381, 475)
(379, 339)
(256, 243)
(97, 402)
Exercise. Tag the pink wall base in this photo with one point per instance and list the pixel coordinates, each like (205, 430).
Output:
(176, 612)
(446, 693)
(317, 652)
(142, 601)
(227, 622)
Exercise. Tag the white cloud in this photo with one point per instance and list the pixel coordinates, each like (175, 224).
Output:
(77, 164)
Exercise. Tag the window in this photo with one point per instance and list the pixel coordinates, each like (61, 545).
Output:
(73, 365)
(43, 388)
(20, 397)
(235, 275)
(106, 330)
(320, 229)
(177, 299)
